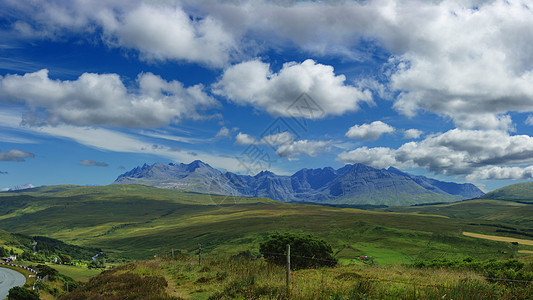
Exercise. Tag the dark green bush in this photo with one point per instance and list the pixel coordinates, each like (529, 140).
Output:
(20, 293)
(306, 251)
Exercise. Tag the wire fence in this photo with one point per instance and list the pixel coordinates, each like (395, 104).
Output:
(208, 252)
(218, 252)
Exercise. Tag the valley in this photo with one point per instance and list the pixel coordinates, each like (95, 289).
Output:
(137, 223)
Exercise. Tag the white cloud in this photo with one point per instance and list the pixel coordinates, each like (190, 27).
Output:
(15, 139)
(116, 141)
(456, 152)
(15, 155)
(469, 61)
(483, 121)
(378, 157)
(92, 163)
(168, 33)
(285, 144)
(369, 132)
(102, 99)
(223, 132)
(243, 139)
(253, 83)
(459, 59)
(502, 173)
(460, 62)
(277, 139)
(158, 31)
(412, 134)
(296, 148)
(173, 137)
(529, 120)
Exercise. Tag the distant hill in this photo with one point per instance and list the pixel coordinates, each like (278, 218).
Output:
(47, 247)
(520, 192)
(351, 184)
(22, 187)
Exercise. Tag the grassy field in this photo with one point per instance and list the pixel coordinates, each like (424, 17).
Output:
(137, 222)
(131, 222)
(499, 238)
(77, 273)
(232, 277)
(485, 211)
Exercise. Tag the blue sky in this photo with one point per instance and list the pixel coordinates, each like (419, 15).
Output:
(89, 90)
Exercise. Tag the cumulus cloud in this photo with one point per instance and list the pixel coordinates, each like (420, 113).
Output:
(378, 157)
(285, 145)
(488, 121)
(92, 163)
(15, 155)
(513, 173)
(103, 99)
(460, 59)
(156, 31)
(253, 83)
(455, 59)
(474, 153)
(223, 132)
(296, 148)
(412, 134)
(369, 132)
(243, 139)
(163, 33)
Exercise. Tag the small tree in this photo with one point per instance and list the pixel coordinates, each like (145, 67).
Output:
(306, 250)
(44, 270)
(20, 293)
(65, 259)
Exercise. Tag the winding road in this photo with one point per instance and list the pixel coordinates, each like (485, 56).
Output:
(8, 279)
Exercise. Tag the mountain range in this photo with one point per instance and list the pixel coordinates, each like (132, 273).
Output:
(352, 184)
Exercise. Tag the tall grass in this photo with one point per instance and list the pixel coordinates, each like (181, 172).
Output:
(242, 278)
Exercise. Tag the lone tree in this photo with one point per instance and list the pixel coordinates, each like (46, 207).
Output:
(306, 251)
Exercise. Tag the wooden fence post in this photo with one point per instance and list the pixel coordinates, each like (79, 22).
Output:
(172, 253)
(288, 268)
(199, 254)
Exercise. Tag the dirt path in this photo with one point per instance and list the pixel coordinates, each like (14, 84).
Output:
(499, 238)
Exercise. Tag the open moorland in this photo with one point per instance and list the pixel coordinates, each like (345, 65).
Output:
(400, 245)
(138, 222)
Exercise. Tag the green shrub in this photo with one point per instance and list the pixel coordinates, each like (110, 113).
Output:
(20, 293)
(306, 251)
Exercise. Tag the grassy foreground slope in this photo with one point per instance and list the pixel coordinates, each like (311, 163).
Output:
(238, 277)
(139, 222)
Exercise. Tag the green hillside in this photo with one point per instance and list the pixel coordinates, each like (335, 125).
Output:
(477, 210)
(137, 222)
(520, 192)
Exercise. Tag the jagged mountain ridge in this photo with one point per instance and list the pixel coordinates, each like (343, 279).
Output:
(459, 191)
(351, 184)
